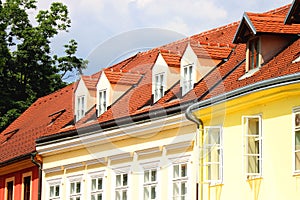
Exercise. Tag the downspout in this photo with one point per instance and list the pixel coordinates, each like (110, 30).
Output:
(200, 137)
(39, 165)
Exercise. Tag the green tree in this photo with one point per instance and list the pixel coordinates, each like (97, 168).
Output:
(27, 68)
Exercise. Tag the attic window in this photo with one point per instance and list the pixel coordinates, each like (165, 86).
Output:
(10, 134)
(159, 86)
(102, 107)
(253, 54)
(56, 115)
(187, 79)
(80, 107)
(296, 60)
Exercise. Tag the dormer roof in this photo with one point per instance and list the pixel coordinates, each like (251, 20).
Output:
(91, 81)
(293, 16)
(212, 50)
(122, 78)
(254, 24)
(171, 58)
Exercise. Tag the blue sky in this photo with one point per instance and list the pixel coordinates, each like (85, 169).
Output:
(99, 22)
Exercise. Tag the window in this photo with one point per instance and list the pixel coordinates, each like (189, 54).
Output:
(26, 187)
(10, 189)
(150, 183)
(75, 190)
(253, 145)
(187, 79)
(159, 86)
(214, 154)
(102, 102)
(179, 181)
(253, 54)
(80, 107)
(297, 142)
(97, 188)
(54, 191)
(121, 186)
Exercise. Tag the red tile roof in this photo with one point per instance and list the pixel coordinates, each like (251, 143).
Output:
(91, 81)
(172, 59)
(122, 78)
(212, 50)
(50, 115)
(271, 23)
(45, 117)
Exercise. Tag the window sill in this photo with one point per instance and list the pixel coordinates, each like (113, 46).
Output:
(249, 73)
(296, 174)
(215, 184)
(254, 178)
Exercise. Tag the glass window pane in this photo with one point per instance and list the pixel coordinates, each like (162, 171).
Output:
(93, 184)
(297, 140)
(175, 171)
(118, 195)
(118, 180)
(146, 193)
(253, 145)
(297, 160)
(99, 197)
(253, 126)
(175, 190)
(146, 176)
(153, 192)
(72, 188)
(183, 170)
(253, 164)
(57, 190)
(125, 177)
(153, 175)
(213, 172)
(51, 191)
(100, 184)
(78, 187)
(124, 195)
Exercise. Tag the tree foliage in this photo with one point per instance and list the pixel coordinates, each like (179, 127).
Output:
(27, 68)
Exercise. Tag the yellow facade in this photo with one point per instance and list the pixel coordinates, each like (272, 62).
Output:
(277, 180)
(131, 152)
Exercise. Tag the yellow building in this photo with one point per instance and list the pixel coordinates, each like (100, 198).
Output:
(134, 135)
(249, 126)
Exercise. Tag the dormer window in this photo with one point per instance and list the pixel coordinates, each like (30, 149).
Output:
(187, 79)
(80, 107)
(159, 86)
(253, 55)
(102, 101)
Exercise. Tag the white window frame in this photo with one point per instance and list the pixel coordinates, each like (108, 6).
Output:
(150, 184)
(121, 188)
(80, 101)
(159, 86)
(7, 180)
(188, 78)
(179, 180)
(211, 146)
(249, 66)
(28, 174)
(102, 107)
(94, 192)
(74, 195)
(296, 128)
(54, 184)
(257, 138)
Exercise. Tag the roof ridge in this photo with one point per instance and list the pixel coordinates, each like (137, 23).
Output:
(217, 29)
(213, 44)
(57, 91)
(277, 10)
